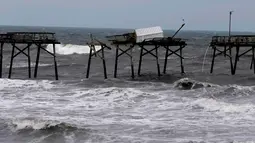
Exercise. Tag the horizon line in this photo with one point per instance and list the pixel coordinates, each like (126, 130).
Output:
(121, 28)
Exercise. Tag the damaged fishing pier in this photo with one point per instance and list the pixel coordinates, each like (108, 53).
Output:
(143, 39)
(226, 45)
(147, 41)
(38, 39)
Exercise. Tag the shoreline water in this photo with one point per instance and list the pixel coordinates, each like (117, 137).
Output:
(214, 107)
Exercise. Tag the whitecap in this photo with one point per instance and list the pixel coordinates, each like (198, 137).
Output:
(69, 49)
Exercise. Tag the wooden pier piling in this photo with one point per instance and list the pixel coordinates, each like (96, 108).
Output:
(1, 59)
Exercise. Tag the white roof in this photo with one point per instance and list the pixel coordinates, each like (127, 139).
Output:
(148, 31)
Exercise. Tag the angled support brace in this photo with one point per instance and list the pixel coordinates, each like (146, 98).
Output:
(119, 52)
(174, 53)
(21, 51)
(148, 52)
(95, 53)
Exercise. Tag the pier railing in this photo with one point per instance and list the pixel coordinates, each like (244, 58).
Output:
(25, 37)
(234, 39)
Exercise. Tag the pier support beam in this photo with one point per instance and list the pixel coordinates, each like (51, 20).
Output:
(234, 42)
(214, 53)
(55, 62)
(147, 46)
(158, 66)
(132, 62)
(232, 58)
(166, 59)
(140, 62)
(1, 59)
(236, 60)
(39, 48)
(253, 58)
(252, 61)
(116, 61)
(181, 58)
(10, 68)
(89, 61)
(29, 61)
(104, 65)
(225, 51)
(27, 39)
(37, 60)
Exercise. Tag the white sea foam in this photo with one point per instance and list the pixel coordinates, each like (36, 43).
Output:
(178, 111)
(223, 107)
(15, 83)
(31, 124)
(40, 139)
(23, 65)
(19, 124)
(244, 142)
(69, 49)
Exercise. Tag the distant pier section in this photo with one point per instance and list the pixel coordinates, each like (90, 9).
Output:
(38, 39)
(229, 46)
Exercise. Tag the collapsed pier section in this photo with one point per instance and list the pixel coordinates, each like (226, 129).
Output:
(144, 38)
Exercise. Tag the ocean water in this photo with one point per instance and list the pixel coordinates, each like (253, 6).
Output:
(218, 107)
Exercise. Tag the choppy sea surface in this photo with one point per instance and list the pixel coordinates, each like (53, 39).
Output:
(217, 107)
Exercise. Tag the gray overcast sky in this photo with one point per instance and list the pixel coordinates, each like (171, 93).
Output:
(198, 14)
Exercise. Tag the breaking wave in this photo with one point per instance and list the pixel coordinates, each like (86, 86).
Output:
(187, 84)
(69, 49)
(213, 90)
(22, 84)
(90, 112)
(17, 125)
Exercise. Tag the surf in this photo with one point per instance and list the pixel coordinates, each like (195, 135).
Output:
(69, 49)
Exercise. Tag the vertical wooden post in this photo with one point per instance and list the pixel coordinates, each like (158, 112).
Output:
(253, 57)
(89, 61)
(116, 61)
(10, 68)
(252, 60)
(132, 63)
(37, 60)
(158, 66)
(225, 50)
(140, 60)
(214, 52)
(182, 68)
(230, 58)
(1, 59)
(166, 57)
(236, 59)
(55, 61)
(104, 65)
(29, 60)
